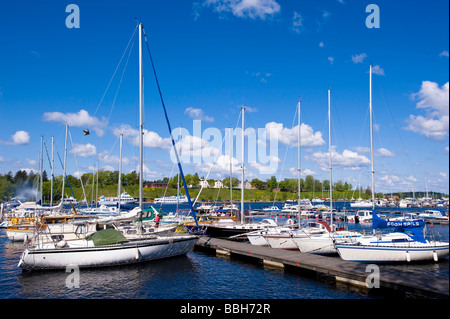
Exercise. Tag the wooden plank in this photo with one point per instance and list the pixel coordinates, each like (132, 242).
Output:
(344, 271)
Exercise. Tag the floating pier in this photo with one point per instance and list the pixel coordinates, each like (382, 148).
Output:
(389, 282)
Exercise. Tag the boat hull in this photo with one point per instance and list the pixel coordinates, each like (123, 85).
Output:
(108, 255)
(389, 254)
(322, 245)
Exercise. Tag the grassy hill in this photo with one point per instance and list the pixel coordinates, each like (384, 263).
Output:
(210, 194)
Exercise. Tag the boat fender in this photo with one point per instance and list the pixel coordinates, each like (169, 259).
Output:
(435, 256)
(61, 244)
(136, 255)
(408, 256)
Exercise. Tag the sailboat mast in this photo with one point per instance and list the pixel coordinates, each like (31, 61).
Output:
(41, 169)
(231, 170)
(298, 165)
(64, 166)
(51, 177)
(243, 149)
(120, 173)
(329, 151)
(141, 121)
(371, 139)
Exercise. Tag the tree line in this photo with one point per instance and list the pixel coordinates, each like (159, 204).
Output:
(26, 184)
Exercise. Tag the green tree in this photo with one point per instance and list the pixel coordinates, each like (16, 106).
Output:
(272, 183)
(195, 180)
(257, 183)
(234, 181)
(309, 183)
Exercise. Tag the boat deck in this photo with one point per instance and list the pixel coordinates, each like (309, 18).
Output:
(353, 273)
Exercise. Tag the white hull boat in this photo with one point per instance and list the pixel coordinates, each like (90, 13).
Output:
(171, 200)
(257, 237)
(393, 252)
(285, 238)
(406, 244)
(85, 254)
(324, 244)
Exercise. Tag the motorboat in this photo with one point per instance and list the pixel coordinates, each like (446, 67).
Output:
(171, 199)
(431, 215)
(125, 198)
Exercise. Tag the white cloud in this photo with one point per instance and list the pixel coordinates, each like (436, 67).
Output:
(359, 58)
(198, 114)
(321, 44)
(80, 119)
(297, 22)
(376, 69)
(251, 109)
(331, 59)
(151, 139)
(289, 136)
(263, 77)
(395, 182)
(435, 101)
(253, 9)
(84, 150)
(18, 138)
(384, 152)
(348, 160)
(444, 53)
(113, 159)
(304, 172)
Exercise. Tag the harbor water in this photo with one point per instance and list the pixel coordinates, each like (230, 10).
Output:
(194, 276)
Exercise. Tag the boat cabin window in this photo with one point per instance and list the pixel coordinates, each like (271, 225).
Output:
(399, 240)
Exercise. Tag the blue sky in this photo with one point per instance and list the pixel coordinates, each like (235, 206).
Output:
(212, 57)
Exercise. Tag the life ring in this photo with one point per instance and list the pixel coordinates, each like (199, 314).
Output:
(13, 221)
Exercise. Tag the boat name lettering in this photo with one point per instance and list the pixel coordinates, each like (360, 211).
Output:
(413, 223)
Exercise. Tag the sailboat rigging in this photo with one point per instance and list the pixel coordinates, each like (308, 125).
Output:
(111, 246)
(405, 244)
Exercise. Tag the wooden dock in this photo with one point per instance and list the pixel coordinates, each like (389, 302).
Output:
(391, 282)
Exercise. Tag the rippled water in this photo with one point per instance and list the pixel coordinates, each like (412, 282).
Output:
(193, 276)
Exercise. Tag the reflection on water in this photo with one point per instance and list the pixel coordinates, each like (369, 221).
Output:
(131, 281)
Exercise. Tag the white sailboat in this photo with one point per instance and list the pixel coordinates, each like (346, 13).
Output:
(324, 243)
(108, 247)
(285, 239)
(407, 243)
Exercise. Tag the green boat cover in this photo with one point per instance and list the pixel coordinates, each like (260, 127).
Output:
(108, 236)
